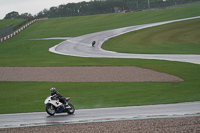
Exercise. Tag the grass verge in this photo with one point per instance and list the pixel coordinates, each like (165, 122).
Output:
(29, 96)
(175, 38)
(6, 22)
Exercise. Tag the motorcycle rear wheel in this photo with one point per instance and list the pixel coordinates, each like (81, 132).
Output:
(50, 109)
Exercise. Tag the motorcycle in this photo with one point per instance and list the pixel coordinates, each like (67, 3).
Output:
(54, 106)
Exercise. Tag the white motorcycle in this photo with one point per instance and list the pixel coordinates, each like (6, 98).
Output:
(54, 106)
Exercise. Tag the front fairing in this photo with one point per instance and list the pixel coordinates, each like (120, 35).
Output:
(54, 102)
(47, 100)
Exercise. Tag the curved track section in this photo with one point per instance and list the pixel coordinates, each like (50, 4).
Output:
(82, 46)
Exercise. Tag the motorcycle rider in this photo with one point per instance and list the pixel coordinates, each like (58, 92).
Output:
(57, 95)
(93, 43)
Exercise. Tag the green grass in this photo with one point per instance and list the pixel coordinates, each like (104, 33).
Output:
(29, 96)
(175, 38)
(76, 26)
(6, 22)
(196, 3)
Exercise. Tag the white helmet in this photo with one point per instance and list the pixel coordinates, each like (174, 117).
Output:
(53, 90)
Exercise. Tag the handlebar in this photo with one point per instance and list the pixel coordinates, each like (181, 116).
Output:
(53, 97)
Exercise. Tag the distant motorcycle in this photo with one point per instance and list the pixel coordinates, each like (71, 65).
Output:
(54, 106)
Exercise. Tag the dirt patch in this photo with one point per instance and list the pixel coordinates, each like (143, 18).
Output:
(85, 74)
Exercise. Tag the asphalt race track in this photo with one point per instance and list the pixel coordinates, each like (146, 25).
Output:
(81, 46)
(101, 114)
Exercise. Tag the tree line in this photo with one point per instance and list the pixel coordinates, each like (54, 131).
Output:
(98, 7)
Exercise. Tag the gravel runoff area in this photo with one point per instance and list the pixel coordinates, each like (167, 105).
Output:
(85, 74)
(159, 125)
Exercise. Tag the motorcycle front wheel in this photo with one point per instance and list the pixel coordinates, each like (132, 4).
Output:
(71, 109)
(50, 109)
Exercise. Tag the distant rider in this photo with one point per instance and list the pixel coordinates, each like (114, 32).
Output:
(57, 95)
(93, 43)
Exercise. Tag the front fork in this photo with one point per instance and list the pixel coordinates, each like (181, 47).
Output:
(51, 107)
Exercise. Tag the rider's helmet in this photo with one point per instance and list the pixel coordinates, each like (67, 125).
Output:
(53, 90)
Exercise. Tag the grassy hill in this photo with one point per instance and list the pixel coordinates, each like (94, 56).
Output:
(20, 52)
(76, 26)
(175, 38)
(6, 22)
(29, 96)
